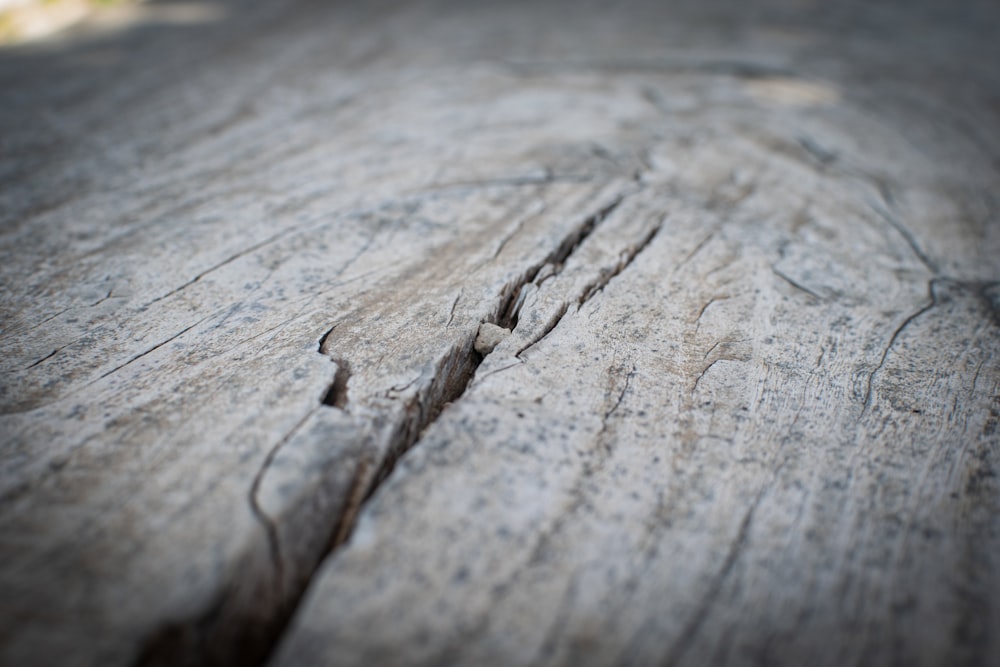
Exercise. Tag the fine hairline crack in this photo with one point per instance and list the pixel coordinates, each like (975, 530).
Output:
(931, 302)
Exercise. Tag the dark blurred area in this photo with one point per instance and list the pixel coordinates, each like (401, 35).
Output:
(110, 90)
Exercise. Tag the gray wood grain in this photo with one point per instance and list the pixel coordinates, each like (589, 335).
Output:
(747, 411)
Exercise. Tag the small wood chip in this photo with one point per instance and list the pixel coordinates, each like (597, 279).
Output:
(489, 337)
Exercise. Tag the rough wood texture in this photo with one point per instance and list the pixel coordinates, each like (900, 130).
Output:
(747, 413)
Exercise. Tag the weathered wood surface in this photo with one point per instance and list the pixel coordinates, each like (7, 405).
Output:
(747, 413)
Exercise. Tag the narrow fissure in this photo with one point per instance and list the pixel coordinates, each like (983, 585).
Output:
(455, 371)
(336, 396)
(557, 258)
(626, 260)
(590, 290)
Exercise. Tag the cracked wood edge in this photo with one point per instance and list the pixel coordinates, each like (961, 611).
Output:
(517, 494)
(388, 406)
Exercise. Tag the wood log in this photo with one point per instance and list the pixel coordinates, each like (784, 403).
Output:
(258, 403)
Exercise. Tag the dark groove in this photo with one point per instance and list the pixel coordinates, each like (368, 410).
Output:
(558, 257)
(336, 397)
(43, 359)
(357, 494)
